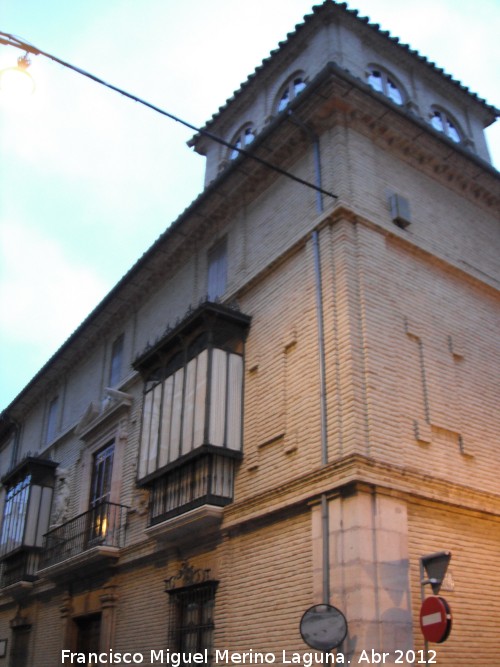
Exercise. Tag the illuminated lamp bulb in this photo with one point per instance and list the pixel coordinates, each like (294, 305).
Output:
(16, 82)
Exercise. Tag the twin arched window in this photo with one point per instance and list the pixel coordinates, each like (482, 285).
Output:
(442, 122)
(293, 87)
(242, 139)
(246, 134)
(385, 83)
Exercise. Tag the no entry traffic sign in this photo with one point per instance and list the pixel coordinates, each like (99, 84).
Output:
(435, 619)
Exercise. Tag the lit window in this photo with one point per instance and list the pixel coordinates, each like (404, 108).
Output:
(102, 525)
(384, 83)
(115, 369)
(441, 122)
(100, 488)
(293, 88)
(217, 270)
(100, 491)
(243, 139)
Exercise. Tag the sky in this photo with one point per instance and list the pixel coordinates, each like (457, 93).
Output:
(89, 179)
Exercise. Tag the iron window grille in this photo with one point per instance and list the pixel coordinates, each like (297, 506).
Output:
(204, 478)
(192, 619)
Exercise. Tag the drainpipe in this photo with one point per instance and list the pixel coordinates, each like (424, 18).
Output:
(323, 416)
(322, 365)
(321, 346)
(317, 159)
(319, 291)
(317, 172)
(322, 373)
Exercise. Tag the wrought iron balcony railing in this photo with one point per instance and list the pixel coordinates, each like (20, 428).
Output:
(207, 478)
(101, 526)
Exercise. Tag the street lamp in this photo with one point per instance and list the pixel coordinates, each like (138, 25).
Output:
(17, 81)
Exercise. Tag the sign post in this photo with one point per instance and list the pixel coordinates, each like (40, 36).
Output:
(434, 566)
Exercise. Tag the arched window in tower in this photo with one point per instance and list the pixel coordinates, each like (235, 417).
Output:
(242, 139)
(294, 86)
(441, 121)
(385, 83)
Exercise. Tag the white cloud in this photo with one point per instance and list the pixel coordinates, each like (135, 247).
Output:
(44, 294)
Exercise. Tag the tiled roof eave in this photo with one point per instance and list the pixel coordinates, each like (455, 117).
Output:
(330, 5)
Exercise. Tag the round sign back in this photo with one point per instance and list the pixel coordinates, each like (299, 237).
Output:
(323, 627)
(435, 619)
